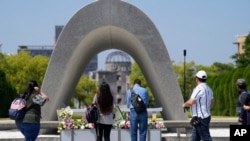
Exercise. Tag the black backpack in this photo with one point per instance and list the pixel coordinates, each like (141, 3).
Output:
(137, 102)
(18, 108)
(92, 114)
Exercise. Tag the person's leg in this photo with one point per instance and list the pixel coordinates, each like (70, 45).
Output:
(143, 125)
(29, 130)
(203, 129)
(99, 131)
(96, 130)
(19, 126)
(107, 130)
(133, 125)
(195, 134)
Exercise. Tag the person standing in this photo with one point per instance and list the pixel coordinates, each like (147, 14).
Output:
(105, 104)
(136, 119)
(200, 103)
(243, 102)
(29, 126)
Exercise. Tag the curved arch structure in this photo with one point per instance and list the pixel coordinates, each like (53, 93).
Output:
(103, 25)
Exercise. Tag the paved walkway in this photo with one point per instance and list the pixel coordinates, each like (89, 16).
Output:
(12, 134)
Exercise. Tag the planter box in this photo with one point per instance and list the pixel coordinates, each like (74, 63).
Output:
(66, 135)
(125, 135)
(154, 135)
(86, 134)
(78, 135)
(115, 135)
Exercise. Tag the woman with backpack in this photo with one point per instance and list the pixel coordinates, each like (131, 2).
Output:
(29, 126)
(105, 102)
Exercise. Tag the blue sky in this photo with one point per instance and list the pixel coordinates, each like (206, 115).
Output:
(206, 29)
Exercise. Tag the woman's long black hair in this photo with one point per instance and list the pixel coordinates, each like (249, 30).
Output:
(30, 88)
(105, 99)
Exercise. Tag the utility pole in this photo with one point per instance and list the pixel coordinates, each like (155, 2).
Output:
(184, 74)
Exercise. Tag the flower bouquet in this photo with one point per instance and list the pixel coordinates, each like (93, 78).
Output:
(65, 113)
(124, 124)
(67, 122)
(74, 124)
(156, 125)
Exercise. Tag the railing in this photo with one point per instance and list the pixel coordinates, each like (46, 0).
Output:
(10, 124)
(185, 124)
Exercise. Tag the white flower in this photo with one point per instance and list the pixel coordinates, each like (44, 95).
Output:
(65, 113)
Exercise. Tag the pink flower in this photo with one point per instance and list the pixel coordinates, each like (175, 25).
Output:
(91, 125)
(124, 124)
(158, 125)
(69, 124)
(127, 125)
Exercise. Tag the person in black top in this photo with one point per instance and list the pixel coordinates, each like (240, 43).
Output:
(29, 126)
(243, 99)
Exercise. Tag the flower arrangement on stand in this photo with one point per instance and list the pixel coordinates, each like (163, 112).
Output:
(155, 128)
(66, 113)
(66, 121)
(124, 124)
(156, 125)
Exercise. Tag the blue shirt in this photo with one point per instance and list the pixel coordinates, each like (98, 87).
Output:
(140, 91)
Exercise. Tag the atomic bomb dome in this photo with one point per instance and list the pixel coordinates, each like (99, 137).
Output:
(118, 61)
(118, 56)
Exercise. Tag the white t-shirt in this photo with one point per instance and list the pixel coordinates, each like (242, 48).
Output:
(203, 95)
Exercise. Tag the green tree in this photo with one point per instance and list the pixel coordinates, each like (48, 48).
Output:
(22, 67)
(85, 91)
(217, 67)
(3, 62)
(225, 92)
(243, 60)
(7, 94)
(190, 70)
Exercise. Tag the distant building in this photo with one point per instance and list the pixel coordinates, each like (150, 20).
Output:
(58, 30)
(47, 50)
(116, 74)
(240, 41)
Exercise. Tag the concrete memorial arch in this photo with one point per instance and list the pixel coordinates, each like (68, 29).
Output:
(103, 25)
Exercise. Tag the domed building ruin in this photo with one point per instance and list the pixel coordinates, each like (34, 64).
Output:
(116, 74)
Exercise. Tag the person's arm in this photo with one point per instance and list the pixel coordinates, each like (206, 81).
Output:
(94, 100)
(192, 99)
(147, 99)
(128, 98)
(44, 96)
(246, 107)
(242, 101)
(188, 103)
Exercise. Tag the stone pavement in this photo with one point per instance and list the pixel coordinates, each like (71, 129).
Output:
(14, 134)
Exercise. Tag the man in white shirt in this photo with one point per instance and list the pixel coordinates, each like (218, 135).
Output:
(200, 104)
